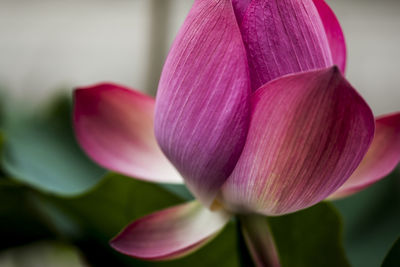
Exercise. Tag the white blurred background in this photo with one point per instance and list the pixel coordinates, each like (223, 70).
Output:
(51, 45)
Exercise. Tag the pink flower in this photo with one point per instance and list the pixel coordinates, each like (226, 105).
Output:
(253, 111)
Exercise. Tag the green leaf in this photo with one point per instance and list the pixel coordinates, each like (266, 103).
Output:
(393, 258)
(1, 141)
(1, 149)
(180, 190)
(371, 220)
(44, 254)
(114, 203)
(312, 237)
(3, 97)
(40, 150)
(19, 221)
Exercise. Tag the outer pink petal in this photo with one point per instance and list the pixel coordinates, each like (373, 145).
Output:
(171, 233)
(382, 157)
(282, 37)
(114, 125)
(202, 107)
(334, 33)
(307, 135)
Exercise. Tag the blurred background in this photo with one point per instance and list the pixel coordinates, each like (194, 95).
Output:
(50, 44)
(49, 47)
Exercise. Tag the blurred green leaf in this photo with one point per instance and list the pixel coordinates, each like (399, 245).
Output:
(114, 203)
(180, 190)
(3, 98)
(393, 257)
(1, 141)
(312, 237)
(2, 174)
(43, 254)
(372, 220)
(19, 222)
(41, 150)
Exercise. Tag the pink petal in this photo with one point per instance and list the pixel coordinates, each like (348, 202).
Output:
(202, 107)
(307, 135)
(334, 33)
(282, 37)
(114, 126)
(240, 7)
(382, 157)
(170, 233)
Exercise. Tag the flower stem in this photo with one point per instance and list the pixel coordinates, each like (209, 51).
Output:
(259, 240)
(244, 254)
